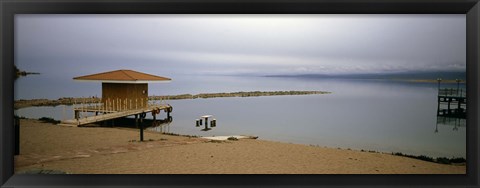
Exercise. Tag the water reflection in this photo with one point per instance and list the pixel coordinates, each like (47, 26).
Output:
(450, 121)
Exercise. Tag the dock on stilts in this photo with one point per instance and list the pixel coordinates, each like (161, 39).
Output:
(103, 115)
(124, 93)
(452, 103)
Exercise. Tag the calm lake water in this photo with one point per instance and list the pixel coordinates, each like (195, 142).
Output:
(377, 115)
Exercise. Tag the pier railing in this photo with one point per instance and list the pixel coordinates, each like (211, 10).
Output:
(112, 108)
(116, 105)
(451, 92)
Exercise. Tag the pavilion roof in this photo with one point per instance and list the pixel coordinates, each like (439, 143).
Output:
(123, 76)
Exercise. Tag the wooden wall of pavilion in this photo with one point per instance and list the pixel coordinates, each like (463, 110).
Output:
(124, 96)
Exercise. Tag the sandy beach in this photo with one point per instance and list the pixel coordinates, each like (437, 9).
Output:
(98, 150)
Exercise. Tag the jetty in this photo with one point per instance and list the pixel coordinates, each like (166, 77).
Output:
(22, 103)
(451, 106)
(452, 103)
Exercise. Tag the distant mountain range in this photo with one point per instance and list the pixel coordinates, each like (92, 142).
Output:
(445, 75)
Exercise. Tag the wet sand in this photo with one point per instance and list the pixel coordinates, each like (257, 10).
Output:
(96, 150)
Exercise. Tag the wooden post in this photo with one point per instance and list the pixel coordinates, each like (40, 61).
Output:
(136, 120)
(449, 100)
(83, 105)
(136, 106)
(438, 106)
(74, 112)
(459, 106)
(141, 128)
(80, 112)
(168, 111)
(85, 109)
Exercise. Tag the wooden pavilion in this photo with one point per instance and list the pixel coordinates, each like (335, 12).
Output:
(125, 88)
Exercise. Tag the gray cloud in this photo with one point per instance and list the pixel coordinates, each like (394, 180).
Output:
(241, 44)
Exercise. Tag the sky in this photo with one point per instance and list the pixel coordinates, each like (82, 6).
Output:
(169, 45)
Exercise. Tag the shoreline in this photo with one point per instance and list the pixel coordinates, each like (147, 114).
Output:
(127, 123)
(114, 151)
(23, 103)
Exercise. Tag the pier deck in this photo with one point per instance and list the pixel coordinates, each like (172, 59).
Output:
(452, 103)
(103, 115)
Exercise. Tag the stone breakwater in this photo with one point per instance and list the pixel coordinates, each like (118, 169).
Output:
(70, 100)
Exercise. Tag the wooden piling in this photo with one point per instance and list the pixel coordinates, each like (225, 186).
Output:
(142, 116)
(136, 120)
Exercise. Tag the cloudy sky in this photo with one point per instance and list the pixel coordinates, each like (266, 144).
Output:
(240, 44)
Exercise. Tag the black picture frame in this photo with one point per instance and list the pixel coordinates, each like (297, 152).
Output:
(11, 7)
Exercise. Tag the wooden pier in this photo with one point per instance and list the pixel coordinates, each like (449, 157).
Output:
(103, 114)
(124, 93)
(452, 103)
